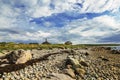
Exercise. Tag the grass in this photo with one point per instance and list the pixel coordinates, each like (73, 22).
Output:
(14, 46)
(36, 46)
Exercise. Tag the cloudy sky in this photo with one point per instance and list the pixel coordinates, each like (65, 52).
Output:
(80, 21)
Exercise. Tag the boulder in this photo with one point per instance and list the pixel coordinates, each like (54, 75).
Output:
(115, 51)
(19, 56)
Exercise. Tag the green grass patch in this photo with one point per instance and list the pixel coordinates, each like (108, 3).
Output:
(14, 46)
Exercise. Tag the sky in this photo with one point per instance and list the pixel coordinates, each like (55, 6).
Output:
(78, 21)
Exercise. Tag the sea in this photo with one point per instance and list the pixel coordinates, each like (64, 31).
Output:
(115, 47)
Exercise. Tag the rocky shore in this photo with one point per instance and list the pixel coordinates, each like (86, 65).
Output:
(65, 64)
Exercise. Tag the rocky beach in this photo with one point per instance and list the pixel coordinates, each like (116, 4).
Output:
(64, 64)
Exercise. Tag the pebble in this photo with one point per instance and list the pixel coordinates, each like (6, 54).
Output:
(96, 70)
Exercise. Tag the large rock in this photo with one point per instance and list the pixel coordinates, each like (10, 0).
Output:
(77, 67)
(115, 51)
(19, 56)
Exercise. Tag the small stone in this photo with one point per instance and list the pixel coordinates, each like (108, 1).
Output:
(26, 79)
(70, 72)
(6, 79)
(99, 79)
(81, 59)
(84, 64)
(69, 66)
(103, 58)
(86, 53)
(80, 72)
(73, 62)
(57, 76)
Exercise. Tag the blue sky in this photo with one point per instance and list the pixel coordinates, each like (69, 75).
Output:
(79, 21)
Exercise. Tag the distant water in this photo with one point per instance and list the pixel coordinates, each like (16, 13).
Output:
(115, 47)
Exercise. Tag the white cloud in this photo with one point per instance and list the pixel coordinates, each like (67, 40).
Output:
(40, 11)
(12, 17)
(38, 34)
(7, 16)
(35, 36)
(28, 3)
(108, 21)
(89, 6)
(96, 6)
(39, 8)
(93, 30)
(6, 22)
